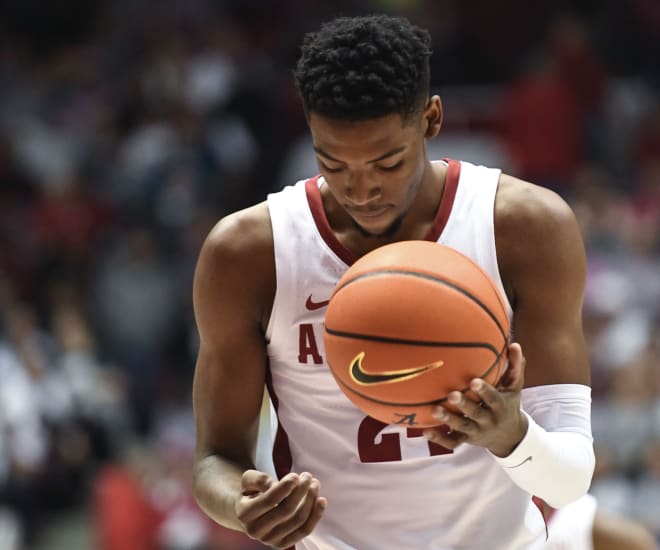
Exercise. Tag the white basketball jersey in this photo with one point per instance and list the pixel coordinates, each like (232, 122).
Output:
(387, 486)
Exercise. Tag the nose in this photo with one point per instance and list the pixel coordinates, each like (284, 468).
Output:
(360, 190)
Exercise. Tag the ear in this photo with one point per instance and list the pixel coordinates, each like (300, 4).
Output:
(433, 117)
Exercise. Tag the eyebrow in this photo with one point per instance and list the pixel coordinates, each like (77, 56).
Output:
(390, 153)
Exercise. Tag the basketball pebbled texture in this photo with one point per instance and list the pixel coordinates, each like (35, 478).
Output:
(408, 323)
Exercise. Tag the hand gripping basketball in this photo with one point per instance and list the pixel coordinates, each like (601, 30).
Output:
(496, 422)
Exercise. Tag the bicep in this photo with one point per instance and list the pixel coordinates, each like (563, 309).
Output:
(230, 372)
(554, 348)
(227, 396)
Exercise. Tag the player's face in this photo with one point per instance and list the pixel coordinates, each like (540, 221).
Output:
(373, 168)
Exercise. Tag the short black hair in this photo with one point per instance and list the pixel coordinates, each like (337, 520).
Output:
(360, 68)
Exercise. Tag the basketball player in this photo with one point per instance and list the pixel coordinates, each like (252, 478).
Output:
(343, 480)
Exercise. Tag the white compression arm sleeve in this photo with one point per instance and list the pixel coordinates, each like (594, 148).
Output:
(555, 459)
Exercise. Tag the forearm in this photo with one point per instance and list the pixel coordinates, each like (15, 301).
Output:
(217, 487)
(555, 459)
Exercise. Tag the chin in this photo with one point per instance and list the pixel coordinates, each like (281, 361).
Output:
(388, 231)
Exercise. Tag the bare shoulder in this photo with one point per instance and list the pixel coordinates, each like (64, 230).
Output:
(523, 206)
(236, 267)
(536, 231)
(240, 233)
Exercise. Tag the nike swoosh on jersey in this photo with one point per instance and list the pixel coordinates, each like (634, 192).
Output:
(528, 459)
(359, 375)
(312, 305)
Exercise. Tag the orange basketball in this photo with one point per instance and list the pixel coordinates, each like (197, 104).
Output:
(408, 323)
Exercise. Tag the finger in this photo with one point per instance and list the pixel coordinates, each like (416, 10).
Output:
(475, 411)
(456, 421)
(269, 499)
(317, 512)
(288, 506)
(284, 530)
(445, 436)
(285, 510)
(254, 481)
(513, 377)
(490, 396)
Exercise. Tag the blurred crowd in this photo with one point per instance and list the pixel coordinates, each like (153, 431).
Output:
(127, 128)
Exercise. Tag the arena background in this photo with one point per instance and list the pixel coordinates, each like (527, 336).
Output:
(128, 127)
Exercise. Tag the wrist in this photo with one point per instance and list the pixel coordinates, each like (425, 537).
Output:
(505, 448)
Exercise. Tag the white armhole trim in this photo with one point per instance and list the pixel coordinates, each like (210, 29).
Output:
(555, 459)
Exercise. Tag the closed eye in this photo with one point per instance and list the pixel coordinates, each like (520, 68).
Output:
(391, 168)
(328, 169)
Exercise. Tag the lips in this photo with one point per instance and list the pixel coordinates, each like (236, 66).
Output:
(368, 212)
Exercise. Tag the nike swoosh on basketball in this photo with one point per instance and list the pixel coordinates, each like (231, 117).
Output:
(312, 305)
(361, 377)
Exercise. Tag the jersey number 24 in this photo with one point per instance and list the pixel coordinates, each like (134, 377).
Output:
(387, 448)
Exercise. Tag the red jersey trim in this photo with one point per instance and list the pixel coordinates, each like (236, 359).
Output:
(440, 221)
(546, 510)
(322, 224)
(281, 452)
(447, 200)
(282, 459)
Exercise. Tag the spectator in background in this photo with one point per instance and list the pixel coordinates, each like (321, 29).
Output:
(24, 437)
(551, 116)
(581, 69)
(540, 124)
(56, 405)
(98, 391)
(137, 307)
